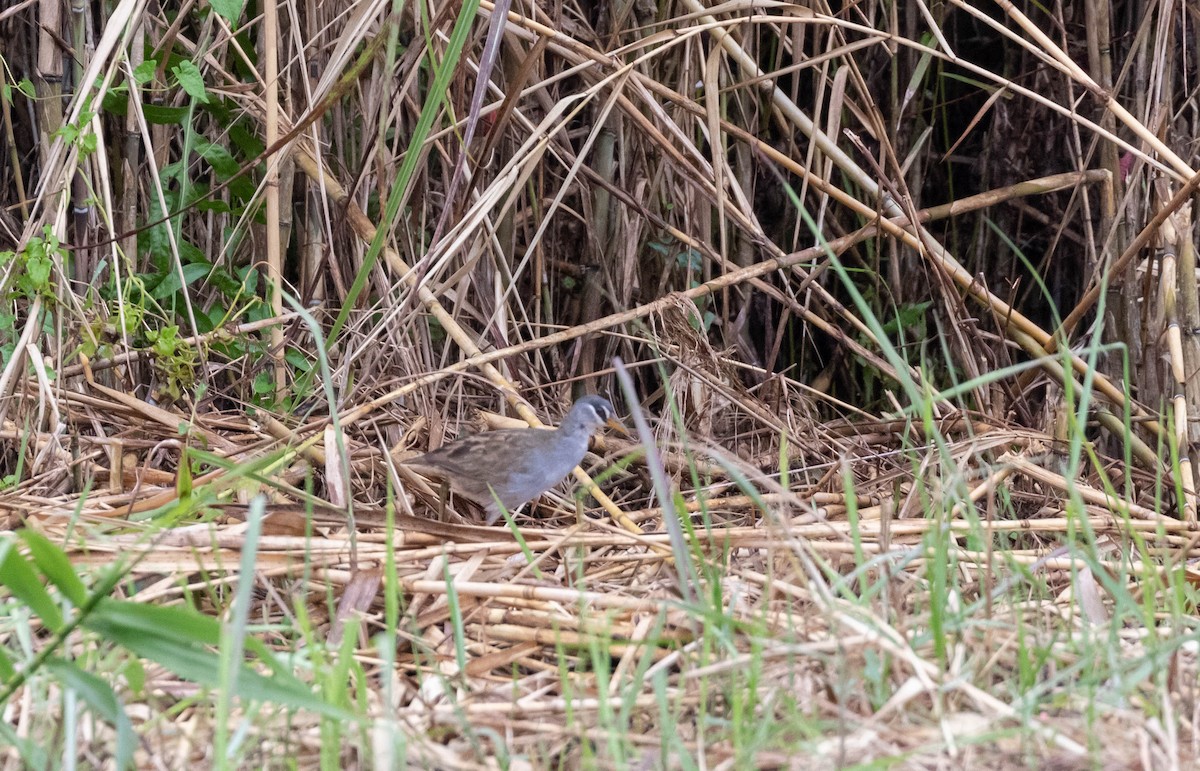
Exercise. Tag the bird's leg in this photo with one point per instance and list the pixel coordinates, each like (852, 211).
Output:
(443, 494)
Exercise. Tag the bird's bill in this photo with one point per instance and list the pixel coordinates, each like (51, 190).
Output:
(616, 425)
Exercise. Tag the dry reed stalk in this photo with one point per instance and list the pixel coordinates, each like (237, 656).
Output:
(692, 266)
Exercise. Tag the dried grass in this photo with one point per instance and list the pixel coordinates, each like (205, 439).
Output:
(900, 537)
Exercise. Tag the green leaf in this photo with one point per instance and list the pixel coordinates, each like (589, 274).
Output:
(263, 384)
(218, 157)
(170, 283)
(216, 205)
(173, 172)
(189, 252)
(37, 274)
(164, 116)
(188, 75)
(249, 143)
(208, 320)
(32, 754)
(907, 317)
(69, 133)
(144, 72)
(100, 696)
(55, 565)
(430, 110)
(178, 639)
(229, 10)
(135, 676)
(115, 99)
(298, 360)
(19, 576)
(7, 670)
(249, 278)
(183, 479)
(690, 260)
(181, 624)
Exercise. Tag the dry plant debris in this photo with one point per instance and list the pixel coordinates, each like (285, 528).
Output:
(909, 340)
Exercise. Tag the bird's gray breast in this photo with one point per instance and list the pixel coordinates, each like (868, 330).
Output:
(531, 476)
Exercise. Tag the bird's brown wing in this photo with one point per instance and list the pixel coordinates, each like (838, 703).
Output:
(489, 456)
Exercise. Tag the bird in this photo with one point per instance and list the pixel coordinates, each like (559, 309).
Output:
(516, 464)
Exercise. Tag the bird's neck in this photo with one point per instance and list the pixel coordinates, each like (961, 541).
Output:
(568, 435)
